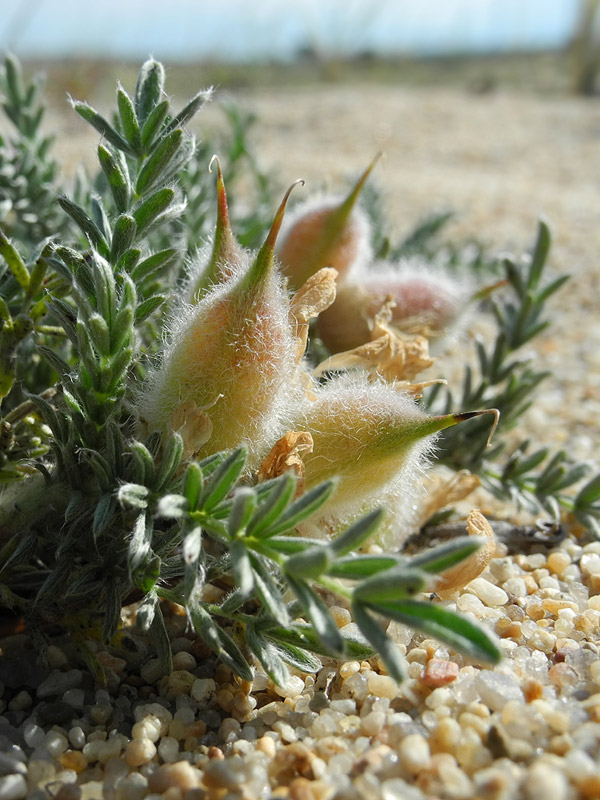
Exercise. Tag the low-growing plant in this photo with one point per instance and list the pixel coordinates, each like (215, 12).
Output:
(161, 434)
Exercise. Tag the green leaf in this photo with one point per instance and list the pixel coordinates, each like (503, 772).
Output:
(129, 121)
(273, 505)
(297, 657)
(357, 567)
(319, 615)
(302, 508)
(153, 263)
(100, 334)
(292, 544)
(193, 482)
(104, 514)
(222, 480)
(87, 225)
(155, 168)
(153, 124)
(171, 459)
(445, 625)
(241, 567)
(588, 494)
(394, 584)
(103, 127)
(446, 555)
(268, 655)
(149, 212)
(268, 591)
(381, 643)
(117, 176)
(219, 642)
(311, 563)
(147, 307)
(161, 641)
(358, 533)
(14, 261)
(124, 236)
(242, 508)
(305, 638)
(190, 110)
(540, 254)
(149, 88)
(112, 609)
(55, 360)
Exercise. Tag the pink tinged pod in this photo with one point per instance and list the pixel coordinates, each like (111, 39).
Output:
(428, 303)
(226, 257)
(233, 356)
(326, 232)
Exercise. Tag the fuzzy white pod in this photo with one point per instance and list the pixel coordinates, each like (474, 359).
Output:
(377, 442)
(231, 357)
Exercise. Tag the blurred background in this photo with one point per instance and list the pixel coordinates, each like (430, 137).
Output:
(364, 36)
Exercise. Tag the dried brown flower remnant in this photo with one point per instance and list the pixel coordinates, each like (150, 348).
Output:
(314, 296)
(286, 456)
(460, 575)
(423, 302)
(388, 354)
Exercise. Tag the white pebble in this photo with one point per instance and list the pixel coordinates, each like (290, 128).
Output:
(544, 782)
(148, 728)
(185, 715)
(488, 593)
(34, 735)
(76, 737)
(139, 751)
(515, 587)
(13, 787)
(168, 749)
(55, 743)
(382, 685)
(203, 690)
(292, 688)
(496, 689)
(414, 753)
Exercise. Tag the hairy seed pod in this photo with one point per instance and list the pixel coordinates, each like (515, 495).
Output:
(373, 437)
(425, 301)
(232, 358)
(327, 231)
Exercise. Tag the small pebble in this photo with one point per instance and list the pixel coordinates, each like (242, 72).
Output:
(414, 753)
(382, 685)
(292, 688)
(439, 672)
(180, 774)
(204, 690)
(57, 683)
(13, 787)
(496, 689)
(139, 751)
(488, 593)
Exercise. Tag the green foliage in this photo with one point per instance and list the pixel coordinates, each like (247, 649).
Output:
(97, 513)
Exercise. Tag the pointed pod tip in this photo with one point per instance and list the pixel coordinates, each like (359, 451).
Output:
(269, 244)
(465, 415)
(222, 208)
(350, 201)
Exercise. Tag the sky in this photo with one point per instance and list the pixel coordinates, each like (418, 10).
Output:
(241, 30)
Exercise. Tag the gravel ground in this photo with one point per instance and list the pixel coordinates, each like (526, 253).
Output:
(529, 728)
